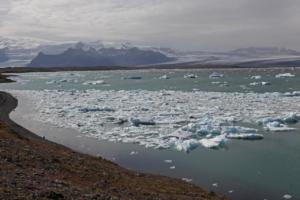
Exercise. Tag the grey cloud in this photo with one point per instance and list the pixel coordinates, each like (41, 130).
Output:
(192, 24)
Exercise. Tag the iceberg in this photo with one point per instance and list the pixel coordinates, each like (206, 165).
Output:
(190, 76)
(99, 82)
(285, 75)
(292, 94)
(172, 167)
(164, 119)
(214, 142)
(138, 122)
(132, 78)
(216, 75)
(187, 180)
(96, 109)
(256, 77)
(263, 83)
(278, 127)
(186, 145)
(287, 196)
(164, 77)
(245, 136)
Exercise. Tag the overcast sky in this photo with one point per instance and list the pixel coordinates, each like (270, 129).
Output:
(181, 24)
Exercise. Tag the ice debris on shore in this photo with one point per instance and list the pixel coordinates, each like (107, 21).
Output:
(188, 180)
(165, 119)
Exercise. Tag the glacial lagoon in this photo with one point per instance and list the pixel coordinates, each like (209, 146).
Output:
(235, 132)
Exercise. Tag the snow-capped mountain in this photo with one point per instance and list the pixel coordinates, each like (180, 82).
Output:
(22, 51)
(83, 56)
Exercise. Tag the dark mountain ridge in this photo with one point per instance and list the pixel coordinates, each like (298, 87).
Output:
(78, 57)
(3, 55)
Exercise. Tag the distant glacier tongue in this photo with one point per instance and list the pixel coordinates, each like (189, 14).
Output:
(164, 119)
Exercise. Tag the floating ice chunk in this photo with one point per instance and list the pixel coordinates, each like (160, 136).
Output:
(256, 77)
(237, 130)
(168, 161)
(254, 84)
(201, 128)
(245, 136)
(278, 127)
(287, 196)
(138, 122)
(180, 134)
(216, 75)
(172, 167)
(215, 184)
(291, 118)
(213, 143)
(99, 82)
(186, 145)
(96, 109)
(285, 75)
(134, 153)
(164, 77)
(187, 180)
(190, 76)
(230, 191)
(292, 94)
(216, 82)
(263, 83)
(51, 82)
(132, 78)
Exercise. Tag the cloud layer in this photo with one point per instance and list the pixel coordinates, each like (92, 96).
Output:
(191, 24)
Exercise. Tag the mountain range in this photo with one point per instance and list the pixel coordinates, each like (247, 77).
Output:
(43, 53)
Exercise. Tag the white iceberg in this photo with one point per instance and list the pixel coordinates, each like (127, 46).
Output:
(186, 145)
(285, 75)
(287, 196)
(263, 83)
(187, 180)
(214, 142)
(216, 75)
(190, 76)
(278, 127)
(98, 82)
(256, 77)
(164, 77)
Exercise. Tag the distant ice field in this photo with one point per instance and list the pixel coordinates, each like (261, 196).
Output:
(177, 109)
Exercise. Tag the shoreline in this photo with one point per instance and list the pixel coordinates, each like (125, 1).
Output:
(164, 67)
(120, 182)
